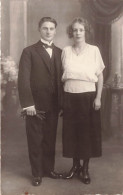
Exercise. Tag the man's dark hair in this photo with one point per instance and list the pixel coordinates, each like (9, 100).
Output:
(46, 19)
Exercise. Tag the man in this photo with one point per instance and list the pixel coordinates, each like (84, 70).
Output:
(39, 85)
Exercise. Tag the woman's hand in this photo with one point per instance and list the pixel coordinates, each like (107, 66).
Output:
(97, 104)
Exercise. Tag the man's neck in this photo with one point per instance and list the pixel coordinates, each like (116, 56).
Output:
(47, 42)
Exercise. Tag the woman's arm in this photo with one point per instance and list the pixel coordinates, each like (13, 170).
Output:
(97, 101)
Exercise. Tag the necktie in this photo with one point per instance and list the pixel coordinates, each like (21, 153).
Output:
(47, 46)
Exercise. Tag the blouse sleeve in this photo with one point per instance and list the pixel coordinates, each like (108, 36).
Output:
(99, 62)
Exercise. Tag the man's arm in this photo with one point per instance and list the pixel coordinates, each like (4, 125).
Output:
(24, 89)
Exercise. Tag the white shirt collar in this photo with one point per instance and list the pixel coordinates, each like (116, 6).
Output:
(46, 42)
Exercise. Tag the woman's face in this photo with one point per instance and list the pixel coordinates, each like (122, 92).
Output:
(78, 32)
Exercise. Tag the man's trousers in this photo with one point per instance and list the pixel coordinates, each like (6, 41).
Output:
(41, 137)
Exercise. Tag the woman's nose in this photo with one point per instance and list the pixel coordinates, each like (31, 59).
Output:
(77, 32)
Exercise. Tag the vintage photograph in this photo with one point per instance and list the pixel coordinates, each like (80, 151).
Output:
(61, 97)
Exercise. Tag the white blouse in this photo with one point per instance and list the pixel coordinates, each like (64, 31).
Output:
(80, 72)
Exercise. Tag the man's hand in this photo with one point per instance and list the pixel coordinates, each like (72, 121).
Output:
(31, 111)
(97, 104)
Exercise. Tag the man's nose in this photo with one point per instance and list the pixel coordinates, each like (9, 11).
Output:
(48, 30)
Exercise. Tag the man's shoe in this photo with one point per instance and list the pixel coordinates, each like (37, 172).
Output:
(55, 175)
(36, 181)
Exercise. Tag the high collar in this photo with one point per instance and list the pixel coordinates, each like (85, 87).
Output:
(46, 42)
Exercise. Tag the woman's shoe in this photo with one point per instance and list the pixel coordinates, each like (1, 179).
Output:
(75, 170)
(84, 176)
(79, 170)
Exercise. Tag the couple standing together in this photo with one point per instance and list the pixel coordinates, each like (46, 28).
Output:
(51, 80)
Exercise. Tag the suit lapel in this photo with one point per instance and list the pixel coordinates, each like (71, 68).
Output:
(43, 54)
(57, 57)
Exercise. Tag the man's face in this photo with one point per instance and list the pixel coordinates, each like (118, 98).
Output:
(47, 31)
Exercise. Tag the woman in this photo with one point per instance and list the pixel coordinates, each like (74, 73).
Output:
(83, 82)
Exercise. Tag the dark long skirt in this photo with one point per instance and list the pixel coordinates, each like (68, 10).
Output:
(81, 126)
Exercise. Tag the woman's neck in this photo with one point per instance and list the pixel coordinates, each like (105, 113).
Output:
(80, 45)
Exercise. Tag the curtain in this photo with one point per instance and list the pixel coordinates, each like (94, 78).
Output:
(102, 38)
(105, 11)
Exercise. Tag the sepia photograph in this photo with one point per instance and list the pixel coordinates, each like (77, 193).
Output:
(61, 97)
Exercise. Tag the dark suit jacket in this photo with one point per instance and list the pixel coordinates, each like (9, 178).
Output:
(34, 78)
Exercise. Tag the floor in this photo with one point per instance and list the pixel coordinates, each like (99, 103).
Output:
(106, 172)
